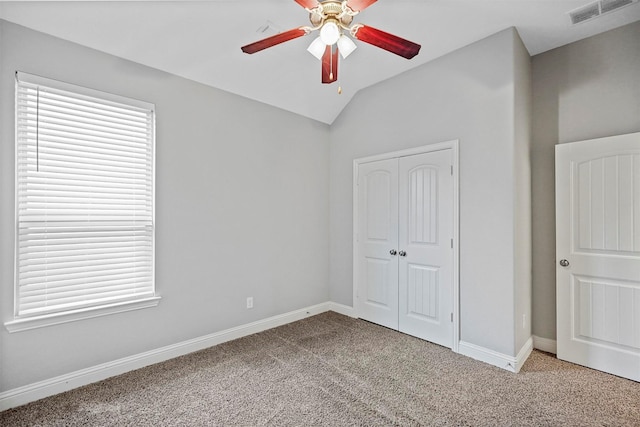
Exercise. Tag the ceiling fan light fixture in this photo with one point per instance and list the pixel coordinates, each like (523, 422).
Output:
(333, 18)
(346, 46)
(317, 48)
(330, 32)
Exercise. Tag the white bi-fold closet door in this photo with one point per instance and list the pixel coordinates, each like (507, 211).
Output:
(404, 239)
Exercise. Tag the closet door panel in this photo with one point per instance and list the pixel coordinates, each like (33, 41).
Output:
(425, 233)
(377, 292)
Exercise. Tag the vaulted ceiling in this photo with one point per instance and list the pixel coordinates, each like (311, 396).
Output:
(201, 40)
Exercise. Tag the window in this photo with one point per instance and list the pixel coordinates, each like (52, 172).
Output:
(84, 202)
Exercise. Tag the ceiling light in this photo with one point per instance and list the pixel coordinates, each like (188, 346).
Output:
(346, 46)
(317, 48)
(330, 33)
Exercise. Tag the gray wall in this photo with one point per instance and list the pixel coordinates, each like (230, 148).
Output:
(467, 95)
(584, 90)
(242, 210)
(522, 193)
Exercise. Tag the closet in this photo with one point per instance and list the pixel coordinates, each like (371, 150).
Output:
(404, 257)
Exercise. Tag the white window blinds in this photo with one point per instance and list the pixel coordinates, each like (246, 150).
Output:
(85, 198)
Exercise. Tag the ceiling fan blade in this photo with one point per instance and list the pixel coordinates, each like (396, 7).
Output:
(274, 40)
(329, 66)
(308, 4)
(386, 41)
(359, 5)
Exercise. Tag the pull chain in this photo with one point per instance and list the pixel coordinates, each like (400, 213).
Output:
(339, 87)
(331, 65)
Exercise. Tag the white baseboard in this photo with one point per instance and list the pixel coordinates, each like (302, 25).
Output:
(545, 344)
(343, 309)
(524, 354)
(510, 363)
(32, 392)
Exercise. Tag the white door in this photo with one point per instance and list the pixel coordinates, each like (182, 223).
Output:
(405, 259)
(598, 254)
(425, 242)
(378, 242)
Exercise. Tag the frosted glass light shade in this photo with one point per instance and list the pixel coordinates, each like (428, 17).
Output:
(346, 46)
(317, 48)
(329, 33)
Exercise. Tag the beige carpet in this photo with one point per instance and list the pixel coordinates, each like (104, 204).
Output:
(333, 370)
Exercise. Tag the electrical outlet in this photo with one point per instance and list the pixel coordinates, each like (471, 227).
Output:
(249, 302)
(524, 321)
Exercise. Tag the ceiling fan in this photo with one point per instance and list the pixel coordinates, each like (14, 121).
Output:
(332, 18)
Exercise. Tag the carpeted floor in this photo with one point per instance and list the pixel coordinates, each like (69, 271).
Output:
(332, 370)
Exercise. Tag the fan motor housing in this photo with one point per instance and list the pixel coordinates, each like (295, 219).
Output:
(330, 9)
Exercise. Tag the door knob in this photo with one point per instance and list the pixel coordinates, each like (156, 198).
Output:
(564, 263)
(393, 252)
(402, 253)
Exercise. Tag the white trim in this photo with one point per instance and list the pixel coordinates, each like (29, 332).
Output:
(32, 392)
(545, 344)
(28, 323)
(343, 309)
(16, 247)
(409, 152)
(21, 76)
(456, 245)
(447, 145)
(509, 363)
(354, 224)
(524, 354)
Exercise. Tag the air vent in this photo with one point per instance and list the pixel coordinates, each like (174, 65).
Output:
(611, 5)
(595, 9)
(585, 13)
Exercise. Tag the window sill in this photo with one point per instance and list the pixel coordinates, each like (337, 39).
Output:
(26, 324)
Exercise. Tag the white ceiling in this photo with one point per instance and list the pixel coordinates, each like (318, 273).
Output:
(201, 40)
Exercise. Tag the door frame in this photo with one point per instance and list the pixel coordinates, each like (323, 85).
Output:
(447, 145)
